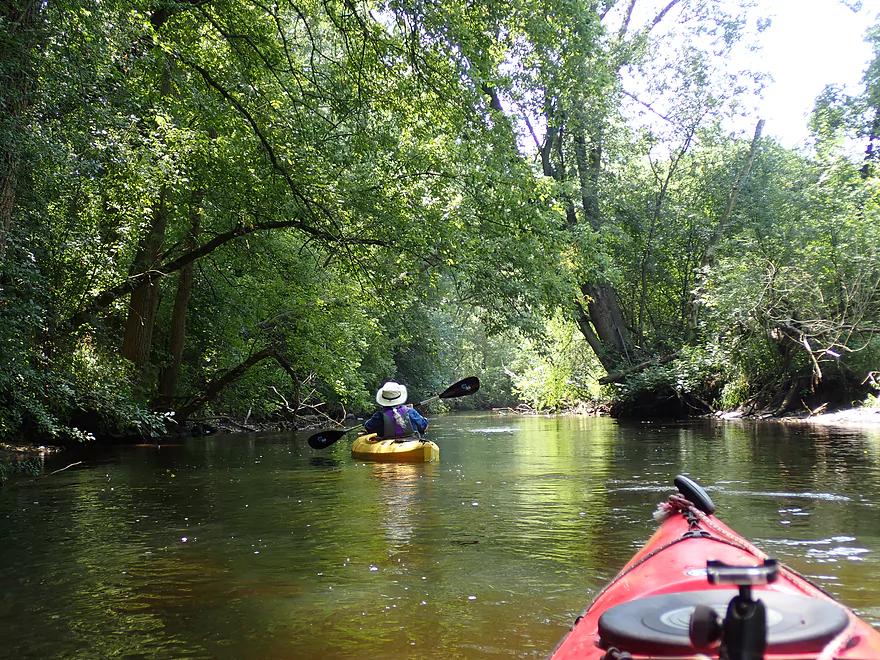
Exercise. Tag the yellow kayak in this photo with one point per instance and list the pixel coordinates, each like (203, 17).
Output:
(411, 449)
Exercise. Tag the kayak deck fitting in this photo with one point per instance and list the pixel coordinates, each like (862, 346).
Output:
(697, 589)
(411, 449)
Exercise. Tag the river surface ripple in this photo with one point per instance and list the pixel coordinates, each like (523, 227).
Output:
(256, 546)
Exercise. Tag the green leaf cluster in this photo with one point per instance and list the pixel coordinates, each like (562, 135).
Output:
(265, 211)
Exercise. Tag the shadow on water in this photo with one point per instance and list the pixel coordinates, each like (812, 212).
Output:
(327, 462)
(259, 546)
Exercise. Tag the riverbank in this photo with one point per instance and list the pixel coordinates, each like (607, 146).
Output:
(849, 417)
(869, 417)
(862, 417)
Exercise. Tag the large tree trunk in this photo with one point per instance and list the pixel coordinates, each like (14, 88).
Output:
(8, 185)
(607, 321)
(602, 325)
(602, 322)
(20, 21)
(169, 375)
(589, 165)
(599, 317)
(138, 340)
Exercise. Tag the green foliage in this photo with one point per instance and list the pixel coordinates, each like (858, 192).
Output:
(734, 394)
(102, 396)
(46, 395)
(358, 198)
(466, 348)
(23, 382)
(273, 292)
(693, 383)
(317, 122)
(8, 468)
(556, 370)
(796, 286)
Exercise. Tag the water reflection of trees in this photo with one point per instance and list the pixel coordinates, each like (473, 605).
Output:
(402, 503)
(530, 522)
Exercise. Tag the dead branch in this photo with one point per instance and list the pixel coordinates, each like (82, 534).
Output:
(64, 468)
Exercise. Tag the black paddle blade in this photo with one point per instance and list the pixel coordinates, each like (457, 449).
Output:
(464, 387)
(326, 438)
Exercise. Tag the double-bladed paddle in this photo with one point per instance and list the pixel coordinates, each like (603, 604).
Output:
(464, 387)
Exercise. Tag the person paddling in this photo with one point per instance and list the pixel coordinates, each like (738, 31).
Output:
(395, 419)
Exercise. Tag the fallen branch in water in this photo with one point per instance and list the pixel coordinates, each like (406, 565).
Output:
(224, 419)
(63, 469)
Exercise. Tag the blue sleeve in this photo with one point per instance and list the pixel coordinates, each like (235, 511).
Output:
(374, 424)
(419, 423)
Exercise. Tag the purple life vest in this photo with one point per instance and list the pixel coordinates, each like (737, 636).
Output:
(396, 422)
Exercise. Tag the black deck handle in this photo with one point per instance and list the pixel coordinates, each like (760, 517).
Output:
(695, 494)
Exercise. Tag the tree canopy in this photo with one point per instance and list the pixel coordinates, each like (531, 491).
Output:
(228, 208)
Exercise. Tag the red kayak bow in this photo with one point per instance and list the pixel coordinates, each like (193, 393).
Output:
(698, 589)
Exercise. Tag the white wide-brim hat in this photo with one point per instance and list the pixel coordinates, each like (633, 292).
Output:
(391, 394)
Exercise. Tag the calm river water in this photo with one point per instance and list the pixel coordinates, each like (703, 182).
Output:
(260, 547)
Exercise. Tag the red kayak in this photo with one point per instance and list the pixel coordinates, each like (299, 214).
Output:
(698, 589)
